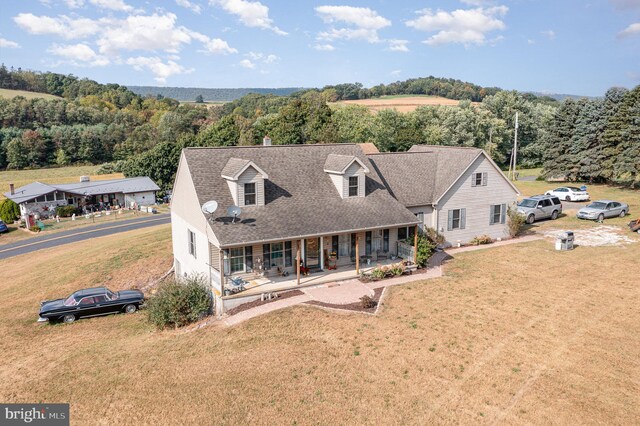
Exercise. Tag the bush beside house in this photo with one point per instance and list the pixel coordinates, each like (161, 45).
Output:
(177, 304)
(9, 211)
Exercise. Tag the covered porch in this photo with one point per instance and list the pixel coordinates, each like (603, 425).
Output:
(311, 261)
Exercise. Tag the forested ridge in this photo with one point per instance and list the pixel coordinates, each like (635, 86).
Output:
(587, 139)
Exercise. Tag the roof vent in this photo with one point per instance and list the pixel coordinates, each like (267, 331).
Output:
(266, 141)
(84, 179)
(12, 189)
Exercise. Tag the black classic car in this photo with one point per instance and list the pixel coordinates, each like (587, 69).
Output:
(90, 302)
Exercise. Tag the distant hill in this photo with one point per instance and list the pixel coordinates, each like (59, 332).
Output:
(561, 96)
(209, 95)
(10, 94)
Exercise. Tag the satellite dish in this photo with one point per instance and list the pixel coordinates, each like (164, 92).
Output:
(209, 207)
(234, 211)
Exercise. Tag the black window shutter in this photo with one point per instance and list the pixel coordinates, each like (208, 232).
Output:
(335, 245)
(288, 257)
(385, 240)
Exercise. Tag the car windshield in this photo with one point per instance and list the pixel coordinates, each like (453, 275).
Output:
(528, 203)
(574, 189)
(597, 205)
(71, 301)
(111, 295)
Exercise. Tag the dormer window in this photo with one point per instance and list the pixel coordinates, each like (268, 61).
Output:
(347, 172)
(249, 194)
(246, 182)
(353, 186)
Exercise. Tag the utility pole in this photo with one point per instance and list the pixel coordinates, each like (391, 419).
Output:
(514, 155)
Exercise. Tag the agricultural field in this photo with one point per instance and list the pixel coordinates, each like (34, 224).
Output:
(490, 342)
(401, 103)
(10, 94)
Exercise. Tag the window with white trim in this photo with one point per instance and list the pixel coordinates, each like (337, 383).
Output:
(353, 186)
(497, 214)
(456, 219)
(249, 194)
(192, 243)
(236, 259)
(479, 179)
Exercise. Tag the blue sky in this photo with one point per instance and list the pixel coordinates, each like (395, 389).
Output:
(559, 46)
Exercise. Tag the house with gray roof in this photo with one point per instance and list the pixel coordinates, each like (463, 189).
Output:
(324, 209)
(43, 198)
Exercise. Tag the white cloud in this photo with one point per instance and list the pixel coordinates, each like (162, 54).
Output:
(79, 54)
(630, 31)
(258, 56)
(74, 4)
(270, 59)
(465, 26)
(362, 23)
(8, 43)
(62, 26)
(118, 5)
(245, 63)
(395, 72)
(189, 5)
(140, 32)
(251, 13)
(550, 34)
(396, 45)
(324, 47)
(161, 70)
(218, 46)
(531, 41)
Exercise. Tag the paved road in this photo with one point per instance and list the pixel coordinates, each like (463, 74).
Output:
(80, 234)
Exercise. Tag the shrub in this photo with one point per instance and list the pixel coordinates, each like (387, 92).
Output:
(34, 228)
(515, 221)
(378, 274)
(177, 304)
(9, 211)
(426, 247)
(109, 168)
(482, 239)
(433, 235)
(65, 211)
(367, 302)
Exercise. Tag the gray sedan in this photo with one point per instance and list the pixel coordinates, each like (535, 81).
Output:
(599, 210)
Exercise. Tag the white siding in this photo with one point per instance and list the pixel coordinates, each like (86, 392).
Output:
(477, 201)
(428, 213)
(189, 264)
(355, 169)
(141, 198)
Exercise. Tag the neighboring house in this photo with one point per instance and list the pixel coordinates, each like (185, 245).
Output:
(43, 198)
(458, 191)
(338, 203)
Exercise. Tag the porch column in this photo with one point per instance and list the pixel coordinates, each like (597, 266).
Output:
(357, 253)
(415, 245)
(222, 276)
(298, 261)
(322, 253)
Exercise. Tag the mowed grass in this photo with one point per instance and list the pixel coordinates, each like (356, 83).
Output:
(514, 334)
(10, 94)
(69, 174)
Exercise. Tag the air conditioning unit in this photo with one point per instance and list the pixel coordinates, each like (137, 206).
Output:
(84, 179)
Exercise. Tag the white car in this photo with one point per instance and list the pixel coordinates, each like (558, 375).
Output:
(569, 193)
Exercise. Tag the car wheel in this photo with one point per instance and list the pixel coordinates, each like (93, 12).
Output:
(69, 318)
(554, 215)
(130, 309)
(600, 217)
(623, 213)
(567, 198)
(530, 219)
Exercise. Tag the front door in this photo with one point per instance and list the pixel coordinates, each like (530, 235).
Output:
(312, 253)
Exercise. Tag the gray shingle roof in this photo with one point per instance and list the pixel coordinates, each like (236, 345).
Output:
(234, 166)
(337, 163)
(423, 174)
(301, 199)
(96, 187)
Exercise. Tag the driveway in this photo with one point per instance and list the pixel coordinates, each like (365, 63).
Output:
(80, 234)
